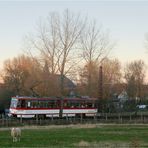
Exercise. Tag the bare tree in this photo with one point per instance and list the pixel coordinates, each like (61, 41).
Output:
(112, 71)
(56, 42)
(96, 47)
(95, 43)
(69, 32)
(89, 84)
(21, 74)
(45, 44)
(134, 76)
(111, 76)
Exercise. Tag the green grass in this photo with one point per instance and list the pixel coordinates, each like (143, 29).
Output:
(135, 135)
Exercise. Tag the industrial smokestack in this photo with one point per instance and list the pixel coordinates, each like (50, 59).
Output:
(100, 93)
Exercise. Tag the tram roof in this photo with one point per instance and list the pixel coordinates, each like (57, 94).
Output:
(52, 98)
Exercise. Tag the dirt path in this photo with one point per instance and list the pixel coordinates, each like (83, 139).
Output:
(75, 126)
(55, 126)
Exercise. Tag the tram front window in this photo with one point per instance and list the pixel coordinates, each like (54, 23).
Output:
(13, 103)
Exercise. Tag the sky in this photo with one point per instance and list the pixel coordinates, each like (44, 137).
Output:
(127, 22)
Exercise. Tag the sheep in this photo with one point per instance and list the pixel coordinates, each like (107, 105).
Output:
(16, 134)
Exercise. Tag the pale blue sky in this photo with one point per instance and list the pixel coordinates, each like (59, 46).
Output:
(127, 22)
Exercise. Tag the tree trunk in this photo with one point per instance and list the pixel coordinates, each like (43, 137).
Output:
(62, 94)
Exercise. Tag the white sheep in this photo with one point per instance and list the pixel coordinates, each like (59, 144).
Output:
(16, 134)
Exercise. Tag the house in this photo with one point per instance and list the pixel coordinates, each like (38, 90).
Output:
(68, 84)
(122, 97)
(52, 85)
(53, 81)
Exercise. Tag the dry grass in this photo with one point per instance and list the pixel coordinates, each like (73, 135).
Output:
(75, 126)
(83, 144)
(135, 143)
(86, 144)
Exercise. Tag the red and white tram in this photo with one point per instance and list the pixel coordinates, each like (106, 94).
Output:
(30, 107)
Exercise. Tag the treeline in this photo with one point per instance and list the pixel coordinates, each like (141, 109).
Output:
(69, 47)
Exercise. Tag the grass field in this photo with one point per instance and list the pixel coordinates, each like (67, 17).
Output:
(98, 136)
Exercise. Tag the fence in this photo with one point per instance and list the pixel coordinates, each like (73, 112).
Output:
(119, 118)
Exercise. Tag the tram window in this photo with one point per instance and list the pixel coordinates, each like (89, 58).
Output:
(58, 103)
(28, 104)
(41, 104)
(19, 103)
(65, 104)
(89, 104)
(45, 104)
(23, 103)
(55, 104)
(82, 104)
(48, 104)
(71, 104)
(14, 103)
(52, 104)
(34, 104)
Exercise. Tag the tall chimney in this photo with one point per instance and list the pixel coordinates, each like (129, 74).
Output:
(100, 93)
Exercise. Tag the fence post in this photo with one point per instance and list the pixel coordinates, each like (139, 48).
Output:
(94, 117)
(21, 119)
(75, 118)
(40, 121)
(141, 117)
(119, 117)
(130, 117)
(81, 117)
(36, 118)
(66, 117)
(52, 117)
(3, 119)
(106, 117)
